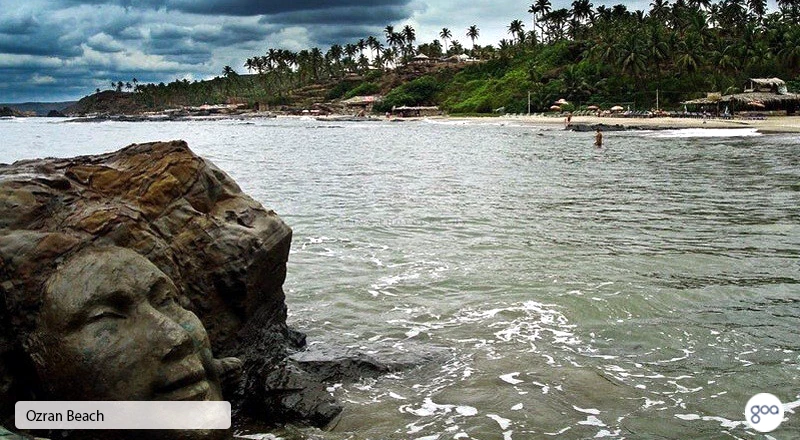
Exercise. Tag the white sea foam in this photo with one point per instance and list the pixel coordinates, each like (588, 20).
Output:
(429, 408)
(503, 422)
(592, 421)
(586, 410)
(725, 423)
(511, 378)
(706, 133)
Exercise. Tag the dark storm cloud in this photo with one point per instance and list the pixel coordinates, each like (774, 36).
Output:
(361, 15)
(38, 44)
(256, 7)
(329, 35)
(18, 25)
(240, 7)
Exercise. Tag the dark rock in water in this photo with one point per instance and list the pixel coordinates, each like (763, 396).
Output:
(338, 364)
(595, 127)
(55, 114)
(221, 252)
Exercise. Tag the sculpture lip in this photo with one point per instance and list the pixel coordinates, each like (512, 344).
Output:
(189, 386)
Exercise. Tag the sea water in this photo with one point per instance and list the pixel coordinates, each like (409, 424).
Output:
(646, 289)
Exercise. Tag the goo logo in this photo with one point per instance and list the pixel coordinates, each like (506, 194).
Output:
(764, 412)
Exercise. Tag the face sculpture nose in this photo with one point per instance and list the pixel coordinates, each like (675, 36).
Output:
(176, 340)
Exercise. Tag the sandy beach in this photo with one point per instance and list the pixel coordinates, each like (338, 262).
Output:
(770, 125)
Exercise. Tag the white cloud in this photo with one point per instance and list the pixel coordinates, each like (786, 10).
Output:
(105, 43)
(291, 38)
(38, 79)
(127, 60)
(34, 61)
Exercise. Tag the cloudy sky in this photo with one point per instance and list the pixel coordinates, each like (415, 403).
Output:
(54, 50)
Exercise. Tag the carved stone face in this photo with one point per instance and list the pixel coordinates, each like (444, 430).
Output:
(110, 328)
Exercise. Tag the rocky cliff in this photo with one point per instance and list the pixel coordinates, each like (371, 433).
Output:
(224, 251)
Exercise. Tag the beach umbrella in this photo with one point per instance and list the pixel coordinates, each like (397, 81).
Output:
(593, 107)
(617, 108)
(555, 108)
(561, 101)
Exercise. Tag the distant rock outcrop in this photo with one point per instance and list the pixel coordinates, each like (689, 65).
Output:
(8, 111)
(106, 102)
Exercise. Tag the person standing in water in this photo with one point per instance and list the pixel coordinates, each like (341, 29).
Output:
(598, 139)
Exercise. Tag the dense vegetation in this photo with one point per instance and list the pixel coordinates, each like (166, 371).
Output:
(600, 55)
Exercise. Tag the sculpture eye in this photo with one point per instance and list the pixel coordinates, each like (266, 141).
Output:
(167, 301)
(105, 314)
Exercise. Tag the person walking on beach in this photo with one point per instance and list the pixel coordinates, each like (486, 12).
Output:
(598, 139)
(568, 120)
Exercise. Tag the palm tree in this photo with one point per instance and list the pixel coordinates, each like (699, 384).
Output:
(373, 44)
(758, 8)
(388, 31)
(790, 9)
(544, 7)
(557, 20)
(582, 10)
(472, 33)
(659, 8)
(516, 29)
(389, 55)
(409, 35)
(789, 55)
(227, 71)
(689, 59)
(316, 60)
(533, 10)
(445, 35)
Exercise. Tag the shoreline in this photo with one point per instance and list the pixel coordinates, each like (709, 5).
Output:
(769, 125)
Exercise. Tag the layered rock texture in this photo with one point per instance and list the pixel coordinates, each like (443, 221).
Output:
(224, 251)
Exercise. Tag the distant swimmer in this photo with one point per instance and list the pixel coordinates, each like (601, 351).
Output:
(598, 139)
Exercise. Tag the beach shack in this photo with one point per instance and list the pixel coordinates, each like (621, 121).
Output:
(423, 59)
(760, 94)
(415, 111)
(363, 103)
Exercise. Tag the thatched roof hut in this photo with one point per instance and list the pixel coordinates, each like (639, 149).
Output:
(767, 85)
(421, 58)
(771, 101)
(362, 101)
(762, 93)
(411, 111)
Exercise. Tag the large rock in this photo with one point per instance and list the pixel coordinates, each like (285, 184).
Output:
(224, 251)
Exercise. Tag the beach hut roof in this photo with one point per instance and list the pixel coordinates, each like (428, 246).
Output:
(775, 85)
(418, 107)
(767, 81)
(701, 101)
(764, 97)
(362, 100)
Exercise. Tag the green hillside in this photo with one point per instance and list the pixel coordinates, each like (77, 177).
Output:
(586, 55)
